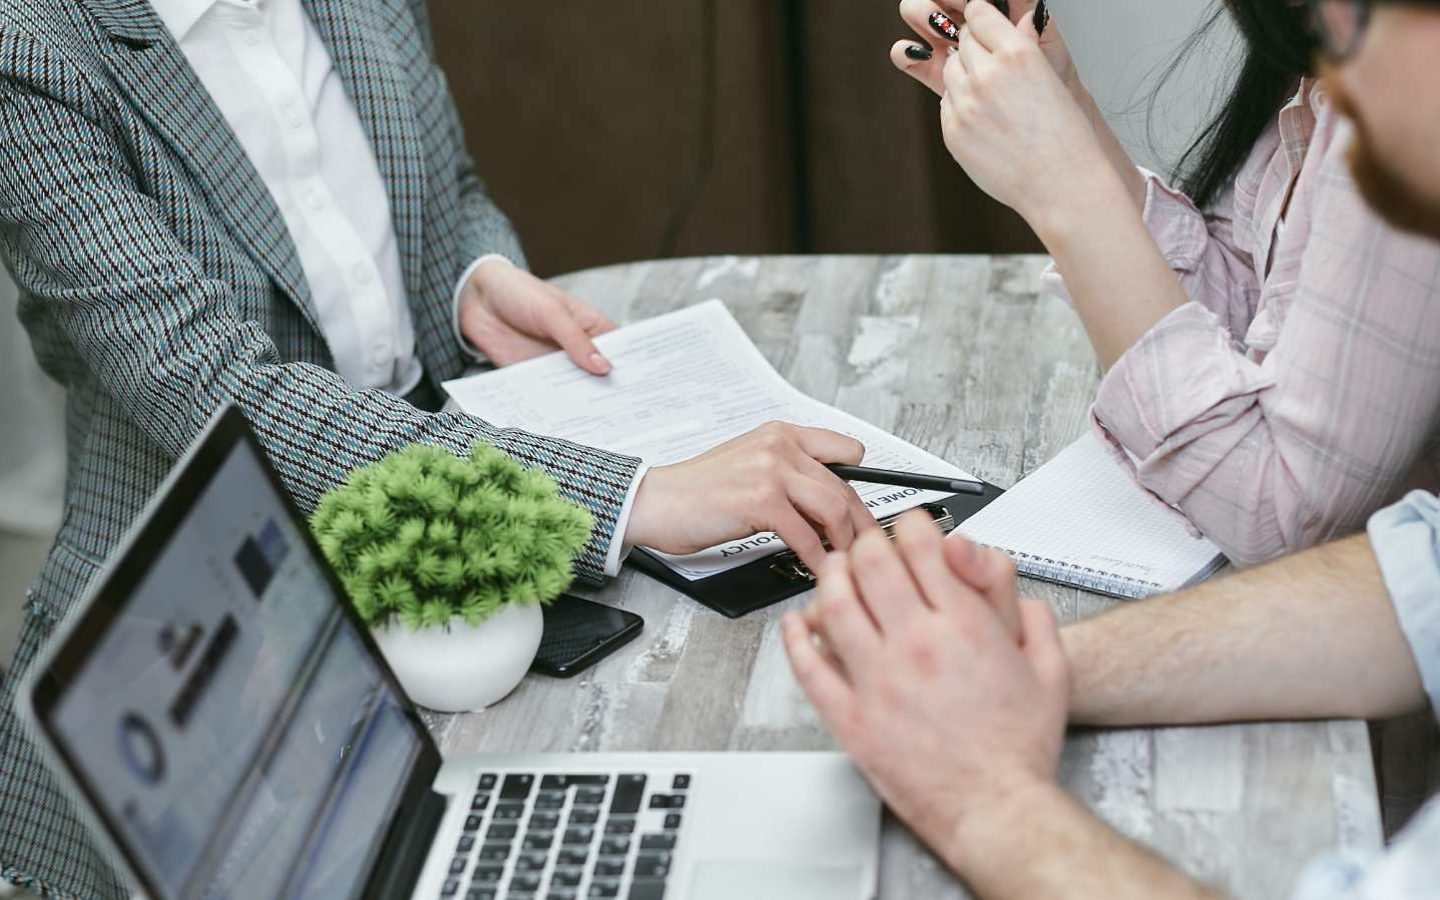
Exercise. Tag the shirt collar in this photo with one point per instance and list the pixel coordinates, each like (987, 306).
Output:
(180, 16)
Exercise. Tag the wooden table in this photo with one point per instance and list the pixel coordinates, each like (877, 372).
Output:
(960, 356)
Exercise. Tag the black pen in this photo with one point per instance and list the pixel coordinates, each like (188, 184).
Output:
(908, 480)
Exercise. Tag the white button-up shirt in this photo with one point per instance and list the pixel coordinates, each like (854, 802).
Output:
(272, 78)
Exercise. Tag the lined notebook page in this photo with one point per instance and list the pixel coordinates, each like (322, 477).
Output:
(1081, 520)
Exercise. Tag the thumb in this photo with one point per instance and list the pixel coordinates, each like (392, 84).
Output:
(830, 446)
(562, 328)
(1031, 25)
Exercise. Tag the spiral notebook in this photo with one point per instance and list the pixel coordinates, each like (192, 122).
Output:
(1081, 520)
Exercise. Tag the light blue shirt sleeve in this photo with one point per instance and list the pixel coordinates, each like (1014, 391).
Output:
(1408, 870)
(1406, 540)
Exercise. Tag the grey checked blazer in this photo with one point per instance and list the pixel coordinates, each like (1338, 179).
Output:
(158, 280)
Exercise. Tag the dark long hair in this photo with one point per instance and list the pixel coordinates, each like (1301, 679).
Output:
(1279, 48)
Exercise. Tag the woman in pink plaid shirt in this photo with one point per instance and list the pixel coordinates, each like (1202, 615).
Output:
(1271, 346)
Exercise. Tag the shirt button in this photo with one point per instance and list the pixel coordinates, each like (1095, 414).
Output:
(294, 116)
(379, 356)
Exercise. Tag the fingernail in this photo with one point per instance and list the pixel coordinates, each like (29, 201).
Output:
(918, 53)
(945, 26)
(600, 362)
(1042, 17)
(1002, 5)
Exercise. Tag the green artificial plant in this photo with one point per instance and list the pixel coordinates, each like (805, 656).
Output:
(422, 536)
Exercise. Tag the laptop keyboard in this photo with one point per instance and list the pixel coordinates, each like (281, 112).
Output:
(569, 837)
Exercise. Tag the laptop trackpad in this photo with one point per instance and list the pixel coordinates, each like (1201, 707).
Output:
(724, 879)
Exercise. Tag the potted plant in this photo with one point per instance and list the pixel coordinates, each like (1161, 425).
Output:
(448, 560)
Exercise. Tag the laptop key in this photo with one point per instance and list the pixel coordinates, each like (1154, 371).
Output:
(560, 894)
(672, 821)
(488, 781)
(539, 840)
(561, 782)
(581, 835)
(572, 856)
(584, 815)
(619, 825)
(629, 791)
(567, 877)
(472, 823)
(487, 873)
(681, 783)
(550, 800)
(450, 888)
(544, 821)
(652, 865)
(517, 787)
(589, 796)
(467, 843)
(647, 889)
(494, 852)
(615, 846)
(610, 867)
(509, 811)
(531, 861)
(606, 888)
(525, 881)
(480, 893)
(502, 831)
(457, 865)
(481, 801)
(657, 842)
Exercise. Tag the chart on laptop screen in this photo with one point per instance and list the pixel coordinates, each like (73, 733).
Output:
(231, 724)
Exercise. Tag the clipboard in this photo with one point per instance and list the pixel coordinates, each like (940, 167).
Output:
(781, 576)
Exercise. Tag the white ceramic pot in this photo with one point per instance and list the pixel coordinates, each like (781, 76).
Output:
(464, 668)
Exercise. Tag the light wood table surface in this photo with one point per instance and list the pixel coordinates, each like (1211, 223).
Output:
(961, 356)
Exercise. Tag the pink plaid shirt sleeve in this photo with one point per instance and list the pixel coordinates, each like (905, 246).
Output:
(1299, 391)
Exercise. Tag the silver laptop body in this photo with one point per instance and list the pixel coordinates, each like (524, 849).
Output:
(232, 731)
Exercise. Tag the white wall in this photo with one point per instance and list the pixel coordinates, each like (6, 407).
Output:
(1121, 46)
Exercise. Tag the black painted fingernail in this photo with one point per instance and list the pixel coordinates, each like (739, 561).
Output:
(1002, 5)
(1042, 18)
(945, 26)
(918, 53)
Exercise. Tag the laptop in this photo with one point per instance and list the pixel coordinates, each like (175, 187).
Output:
(233, 731)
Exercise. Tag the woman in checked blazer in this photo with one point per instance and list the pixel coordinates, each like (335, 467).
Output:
(162, 273)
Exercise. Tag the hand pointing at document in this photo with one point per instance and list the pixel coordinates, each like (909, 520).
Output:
(771, 479)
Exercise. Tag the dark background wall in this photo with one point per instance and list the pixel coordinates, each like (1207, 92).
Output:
(633, 130)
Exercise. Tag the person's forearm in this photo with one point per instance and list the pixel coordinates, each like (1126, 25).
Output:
(1117, 277)
(1115, 152)
(1311, 636)
(1042, 843)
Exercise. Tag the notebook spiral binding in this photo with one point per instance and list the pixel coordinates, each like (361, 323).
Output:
(1071, 575)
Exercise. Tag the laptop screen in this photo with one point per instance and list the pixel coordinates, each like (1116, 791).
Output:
(229, 723)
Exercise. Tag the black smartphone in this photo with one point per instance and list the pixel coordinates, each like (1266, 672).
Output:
(579, 633)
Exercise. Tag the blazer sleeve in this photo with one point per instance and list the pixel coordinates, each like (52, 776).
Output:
(485, 228)
(102, 273)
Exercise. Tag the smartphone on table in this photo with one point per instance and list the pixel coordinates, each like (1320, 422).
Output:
(579, 633)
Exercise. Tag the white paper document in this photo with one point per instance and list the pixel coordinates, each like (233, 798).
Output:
(682, 384)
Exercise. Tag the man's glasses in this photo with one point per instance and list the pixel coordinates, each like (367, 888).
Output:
(1340, 25)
